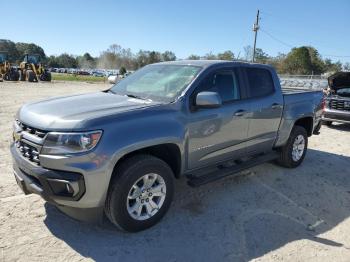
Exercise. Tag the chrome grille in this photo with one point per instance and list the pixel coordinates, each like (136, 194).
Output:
(28, 151)
(31, 130)
(339, 105)
(29, 148)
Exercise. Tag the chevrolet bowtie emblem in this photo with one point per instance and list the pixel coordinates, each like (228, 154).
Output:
(16, 136)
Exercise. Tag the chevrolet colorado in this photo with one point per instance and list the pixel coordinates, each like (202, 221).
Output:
(117, 152)
(337, 100)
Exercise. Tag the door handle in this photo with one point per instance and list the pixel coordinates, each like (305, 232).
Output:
(275, 106)
(240, 112)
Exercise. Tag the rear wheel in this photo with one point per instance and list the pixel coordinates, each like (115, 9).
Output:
(294, 151)
(327, 123)
(140, 193)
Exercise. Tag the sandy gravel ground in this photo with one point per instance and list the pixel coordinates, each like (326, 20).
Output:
(266, 214)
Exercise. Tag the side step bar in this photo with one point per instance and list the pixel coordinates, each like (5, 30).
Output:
(195, 181)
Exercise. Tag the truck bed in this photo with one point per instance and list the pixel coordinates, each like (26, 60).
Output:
(291, 90)
(296, 96)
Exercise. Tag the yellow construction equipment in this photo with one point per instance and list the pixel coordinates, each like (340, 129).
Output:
(32, 70)
(6, 71)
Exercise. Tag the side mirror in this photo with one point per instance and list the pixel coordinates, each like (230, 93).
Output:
(208, 100)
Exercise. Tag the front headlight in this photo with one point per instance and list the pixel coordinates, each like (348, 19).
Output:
(57, 143)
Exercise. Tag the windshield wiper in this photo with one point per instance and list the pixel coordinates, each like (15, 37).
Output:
(137, 97)
(109, 91)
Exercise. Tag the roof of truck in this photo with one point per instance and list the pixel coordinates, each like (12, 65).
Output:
(206, 63)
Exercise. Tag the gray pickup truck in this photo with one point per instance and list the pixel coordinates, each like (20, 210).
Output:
(337, 100)
(117, 152)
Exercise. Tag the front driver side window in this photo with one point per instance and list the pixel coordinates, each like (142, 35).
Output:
(223, 82)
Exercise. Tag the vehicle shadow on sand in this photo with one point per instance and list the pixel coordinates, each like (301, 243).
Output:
(237, 219)
(340, 127)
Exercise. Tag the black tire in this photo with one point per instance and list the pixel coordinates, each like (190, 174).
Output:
(46, 76)
(31, 76)
(318, 128)
(286, 158)
(327, 123)
(21, 76)
(7, 77)
(124, 178)
(14, 75)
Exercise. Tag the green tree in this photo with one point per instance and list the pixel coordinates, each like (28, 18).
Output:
(332, 67)
(227, 55)
(261, 56)
(9, 47)
(52, 61)
(66, 61)
(210, 56)
(30, 48)
(277, 62)
(168, 56)
(346, 66)
(298, 61)
(154, 57)
(122, 70)
(86, 61)
(317, 64)
(194, 57)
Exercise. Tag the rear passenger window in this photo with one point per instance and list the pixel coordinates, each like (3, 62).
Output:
(223, 82)
(260, 82)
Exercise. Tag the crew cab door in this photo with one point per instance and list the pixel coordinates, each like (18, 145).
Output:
(216, 134)
(266, 101)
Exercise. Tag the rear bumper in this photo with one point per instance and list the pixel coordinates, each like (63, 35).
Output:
(336, 116)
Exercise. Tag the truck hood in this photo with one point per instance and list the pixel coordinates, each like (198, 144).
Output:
(339, 80)
(70, 112)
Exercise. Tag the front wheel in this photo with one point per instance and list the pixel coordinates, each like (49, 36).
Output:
(140, 193)
(46, 76)
(294, 151)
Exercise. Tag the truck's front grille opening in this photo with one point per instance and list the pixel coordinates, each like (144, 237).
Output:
(28, 151)
(339, 105)
(38, 132)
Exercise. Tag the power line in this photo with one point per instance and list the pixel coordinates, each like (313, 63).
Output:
(339, 56)
(276, 39)
(291, 46)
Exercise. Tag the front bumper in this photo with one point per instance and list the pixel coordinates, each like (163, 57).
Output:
(52, 185)
(48, 184)
(336, 116)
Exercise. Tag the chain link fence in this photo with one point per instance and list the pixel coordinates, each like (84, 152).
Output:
(312, 82)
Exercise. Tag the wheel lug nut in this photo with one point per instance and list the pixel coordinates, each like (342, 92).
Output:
(142, 201)
(147, 199)
(150, 194)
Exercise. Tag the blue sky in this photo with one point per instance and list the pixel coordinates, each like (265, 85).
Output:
(185, 27)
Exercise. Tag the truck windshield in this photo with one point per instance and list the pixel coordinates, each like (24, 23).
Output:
(344, 92)
(160, 82)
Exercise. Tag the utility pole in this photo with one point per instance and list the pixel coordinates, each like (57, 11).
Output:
(255, 29)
